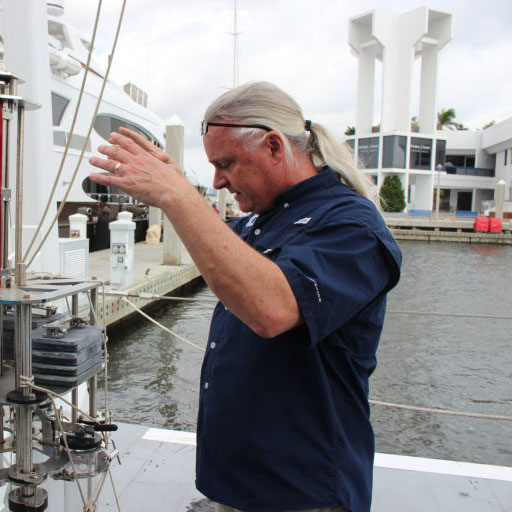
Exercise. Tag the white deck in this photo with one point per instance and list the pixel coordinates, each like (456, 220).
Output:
(157, 473)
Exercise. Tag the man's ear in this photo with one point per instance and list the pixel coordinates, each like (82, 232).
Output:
(275, 144)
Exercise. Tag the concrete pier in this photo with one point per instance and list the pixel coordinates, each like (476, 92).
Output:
(151, 276)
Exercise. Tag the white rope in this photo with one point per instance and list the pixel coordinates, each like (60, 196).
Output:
(373, 402)
(439, 313)
(114, 489)
(29, 382)
(88, 505)
(66, 446)
(71, 131)
(84, 147)
(442, 411)
(172, 333)
(153, 296)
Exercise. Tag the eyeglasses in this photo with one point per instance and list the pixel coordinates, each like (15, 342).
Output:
(205, 124)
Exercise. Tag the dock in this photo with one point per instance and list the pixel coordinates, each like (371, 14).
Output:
(446, 228)
(151, 276)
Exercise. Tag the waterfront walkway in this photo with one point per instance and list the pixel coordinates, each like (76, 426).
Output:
(151, 276)
(445, 228)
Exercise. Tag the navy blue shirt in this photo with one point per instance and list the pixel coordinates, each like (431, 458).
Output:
(284, 423)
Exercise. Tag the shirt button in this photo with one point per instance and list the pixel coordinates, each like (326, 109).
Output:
(206, 385)
(257, 231)
(213, 344)
(285, 205)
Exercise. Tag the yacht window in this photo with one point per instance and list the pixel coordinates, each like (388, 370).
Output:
(59, 138)
(77, 142)
(59, 104)
(57, 30)
(105, 194)
(105, 124)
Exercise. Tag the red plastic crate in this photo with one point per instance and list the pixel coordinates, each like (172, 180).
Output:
(495, 225)
(481, 225)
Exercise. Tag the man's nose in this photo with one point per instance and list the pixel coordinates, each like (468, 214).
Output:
(219, 181)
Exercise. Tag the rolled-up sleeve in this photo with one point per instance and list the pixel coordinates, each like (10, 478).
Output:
(335, 271)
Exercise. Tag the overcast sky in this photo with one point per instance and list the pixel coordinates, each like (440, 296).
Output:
(180, 52)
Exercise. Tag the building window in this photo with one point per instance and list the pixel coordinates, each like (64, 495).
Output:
(105, 124)
(59, 104)
(368, 152)
(440, 153)
(394, 149)
(421, 153)
(505, 158)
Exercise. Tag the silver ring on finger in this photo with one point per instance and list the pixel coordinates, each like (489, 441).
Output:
(116, 167)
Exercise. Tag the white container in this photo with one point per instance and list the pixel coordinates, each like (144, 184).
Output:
(78, 226)
(122, 249)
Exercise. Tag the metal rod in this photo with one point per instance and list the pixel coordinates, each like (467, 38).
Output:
(74, 392)
(93, 381)
(24, 438)
(94, 306)
(1, 354)
(23, 345)
(74, 401)
(2, 438)
(19, 192)
(74, 304)
(5, 200)
(93, 389)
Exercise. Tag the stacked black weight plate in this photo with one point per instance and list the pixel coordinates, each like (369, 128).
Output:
(8, 332)
(68, 361)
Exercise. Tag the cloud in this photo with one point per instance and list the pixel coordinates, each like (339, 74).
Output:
(180, 52)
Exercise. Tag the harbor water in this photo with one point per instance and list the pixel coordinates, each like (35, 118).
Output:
(445, 362)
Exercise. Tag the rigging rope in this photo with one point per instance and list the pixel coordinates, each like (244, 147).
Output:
(439, 313)
(71, 131)
(442, 411)
(176, 335)
(373, 402)
(100, 97)
(153, 296)
(88, 505)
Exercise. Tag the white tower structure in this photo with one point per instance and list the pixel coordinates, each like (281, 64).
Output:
(397, 40)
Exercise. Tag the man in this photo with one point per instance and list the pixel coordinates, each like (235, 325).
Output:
(284, 417)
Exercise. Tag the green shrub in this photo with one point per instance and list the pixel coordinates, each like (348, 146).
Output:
(392, 194)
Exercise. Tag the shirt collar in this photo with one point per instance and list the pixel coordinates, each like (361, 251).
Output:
(324, 178)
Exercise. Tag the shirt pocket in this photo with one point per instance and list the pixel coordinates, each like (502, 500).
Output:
(273, 243)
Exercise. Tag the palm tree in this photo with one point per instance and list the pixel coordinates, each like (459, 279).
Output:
(446, 118)
(351, 130)
(488, 125)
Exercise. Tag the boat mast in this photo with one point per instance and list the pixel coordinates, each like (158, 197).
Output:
(222, 194)
(235, 35)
